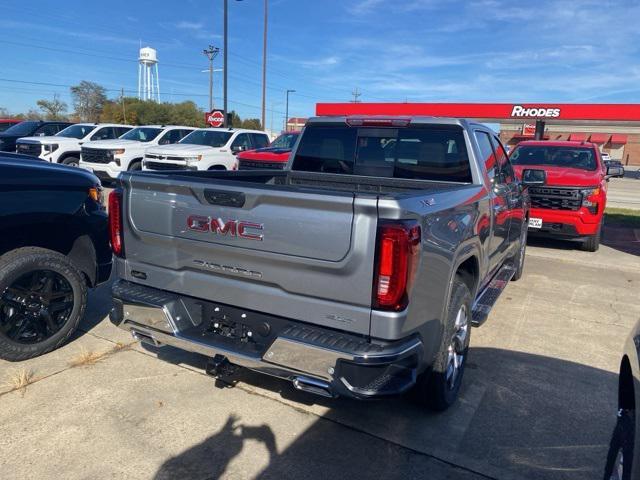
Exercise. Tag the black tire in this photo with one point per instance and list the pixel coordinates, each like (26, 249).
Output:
(518, 259)
(71, 161)
(592, 244)
(618, 466)
(14, 266)
(218, 167)
(135, 165)
(435, 388)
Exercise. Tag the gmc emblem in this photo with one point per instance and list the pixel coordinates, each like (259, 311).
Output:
(233, 228)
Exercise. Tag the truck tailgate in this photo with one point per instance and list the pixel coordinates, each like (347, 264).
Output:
(303, 255)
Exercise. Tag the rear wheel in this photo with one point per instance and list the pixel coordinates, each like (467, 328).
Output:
(43, 296)
(71, 161)
(438, 387)
(618, 466)
(593, 243)
(520, 256)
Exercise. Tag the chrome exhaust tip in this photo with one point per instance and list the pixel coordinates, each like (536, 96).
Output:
(311, 385)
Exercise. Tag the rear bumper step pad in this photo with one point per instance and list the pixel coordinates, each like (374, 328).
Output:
(315, 359)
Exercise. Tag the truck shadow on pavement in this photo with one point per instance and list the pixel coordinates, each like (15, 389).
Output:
(519, 416)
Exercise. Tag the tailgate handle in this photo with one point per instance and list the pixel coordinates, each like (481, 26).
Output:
(224, 198)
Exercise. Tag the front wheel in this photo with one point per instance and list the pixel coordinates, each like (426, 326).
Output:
(135, 166)
(438, 387)
(43, 297)
(71, 161)
(592, 244)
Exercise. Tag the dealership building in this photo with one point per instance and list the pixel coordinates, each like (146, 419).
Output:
(615, 128)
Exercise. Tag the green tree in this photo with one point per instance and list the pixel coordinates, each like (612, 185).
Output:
(88, 100)
(252, 124)
(52, 109)
(236, 121)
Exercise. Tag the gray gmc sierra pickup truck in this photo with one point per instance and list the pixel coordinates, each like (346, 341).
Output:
(356, 271)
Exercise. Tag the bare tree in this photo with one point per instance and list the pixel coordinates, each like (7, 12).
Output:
(88, 100)
(52, 109)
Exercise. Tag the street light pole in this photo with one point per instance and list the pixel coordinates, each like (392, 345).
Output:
(224, 74)
(286, 115)
(264, 62)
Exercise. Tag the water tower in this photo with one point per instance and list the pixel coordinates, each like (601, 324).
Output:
(148, 86)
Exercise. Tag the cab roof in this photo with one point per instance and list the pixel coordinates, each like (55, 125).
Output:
(555, 143)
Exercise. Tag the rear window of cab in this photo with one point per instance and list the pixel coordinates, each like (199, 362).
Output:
(432, 152)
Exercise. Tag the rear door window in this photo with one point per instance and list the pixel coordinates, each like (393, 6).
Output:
(432, 152)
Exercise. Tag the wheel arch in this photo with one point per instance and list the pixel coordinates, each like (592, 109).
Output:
(66, 155)
(65, 235)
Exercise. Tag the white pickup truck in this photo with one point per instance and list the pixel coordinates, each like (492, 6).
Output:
(108, 158)
(205, 149)
(64, 147)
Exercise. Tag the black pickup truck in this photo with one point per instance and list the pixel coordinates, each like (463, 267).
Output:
(54, 245)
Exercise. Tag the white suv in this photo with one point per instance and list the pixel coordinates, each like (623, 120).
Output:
(64, 146)
(107, 158)
(205, 149)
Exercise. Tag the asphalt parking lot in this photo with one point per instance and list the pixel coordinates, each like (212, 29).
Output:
(538, 400)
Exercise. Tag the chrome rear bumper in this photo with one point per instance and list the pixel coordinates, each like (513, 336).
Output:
(319, 360)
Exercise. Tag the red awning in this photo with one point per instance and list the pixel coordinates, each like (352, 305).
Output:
(578, 137)
(599, 137)
(619, 138)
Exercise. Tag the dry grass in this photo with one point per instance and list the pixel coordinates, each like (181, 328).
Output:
(86, 357)
(20, 379)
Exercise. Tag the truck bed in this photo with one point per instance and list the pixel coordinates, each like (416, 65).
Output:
(315, 181)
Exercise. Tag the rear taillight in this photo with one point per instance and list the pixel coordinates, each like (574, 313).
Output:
(396, 258)
(115, 223)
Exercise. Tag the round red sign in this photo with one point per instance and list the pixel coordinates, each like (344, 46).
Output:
(215, 118)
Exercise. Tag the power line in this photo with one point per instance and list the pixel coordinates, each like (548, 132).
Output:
(123, 90)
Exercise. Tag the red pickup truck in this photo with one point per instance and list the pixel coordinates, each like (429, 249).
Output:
(571, 204)
(275, 155)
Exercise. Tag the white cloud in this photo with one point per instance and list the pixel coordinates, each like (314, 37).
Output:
(189, 25)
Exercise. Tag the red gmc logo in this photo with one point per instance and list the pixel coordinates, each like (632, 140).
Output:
(233, 228)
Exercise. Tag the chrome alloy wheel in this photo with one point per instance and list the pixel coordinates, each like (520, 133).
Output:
(618, 466)
(457, 347)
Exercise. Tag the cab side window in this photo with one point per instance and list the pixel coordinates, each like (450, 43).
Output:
(259, 140)
(172, 136)
(486, 152)
(119, 131)
(506, 170)
(242, 142)
(46, 130)
(104, 133)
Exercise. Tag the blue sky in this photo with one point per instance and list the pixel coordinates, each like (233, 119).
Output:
(391, 50)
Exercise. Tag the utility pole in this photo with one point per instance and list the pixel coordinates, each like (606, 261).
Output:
(356, 93)
(286, 114)
(124, 112)
(264, 62)
(224, 74)
(211, 53)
